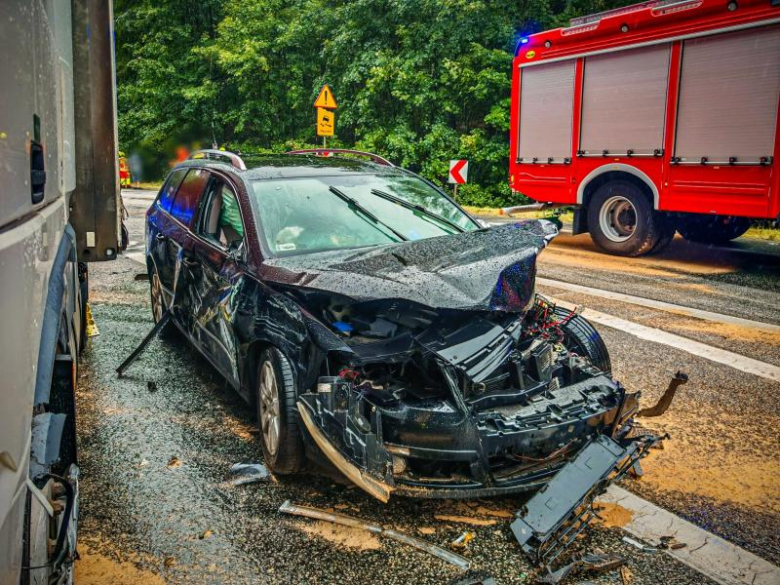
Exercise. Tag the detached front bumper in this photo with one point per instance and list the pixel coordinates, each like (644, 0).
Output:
(438, 450)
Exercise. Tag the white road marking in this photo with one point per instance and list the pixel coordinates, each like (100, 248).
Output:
(714, 354)
(664, 306)
(718, 559)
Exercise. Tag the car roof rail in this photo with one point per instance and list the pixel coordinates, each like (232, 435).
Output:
(214, 154)
(330, 151)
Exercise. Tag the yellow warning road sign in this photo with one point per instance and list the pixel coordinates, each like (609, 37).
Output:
(326, 99)
(326, 122)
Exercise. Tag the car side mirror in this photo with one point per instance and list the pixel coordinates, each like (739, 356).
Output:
(236, 251)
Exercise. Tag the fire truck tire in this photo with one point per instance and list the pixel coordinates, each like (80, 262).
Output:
(668, 228)
(717, 229)
(622, 221)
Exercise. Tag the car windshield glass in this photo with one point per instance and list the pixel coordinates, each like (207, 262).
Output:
(304, 214)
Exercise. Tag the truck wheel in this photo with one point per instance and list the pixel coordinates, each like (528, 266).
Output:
(277, 414)
(580, 337)
(717, 229)
(667, 227)
(622, 221)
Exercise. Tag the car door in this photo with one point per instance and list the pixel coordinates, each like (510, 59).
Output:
(218, 253)
(177, 239)
(159, 226)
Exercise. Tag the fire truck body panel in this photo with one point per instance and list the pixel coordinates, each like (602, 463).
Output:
(680, 98)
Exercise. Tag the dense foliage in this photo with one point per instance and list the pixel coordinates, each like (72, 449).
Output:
(419, 81)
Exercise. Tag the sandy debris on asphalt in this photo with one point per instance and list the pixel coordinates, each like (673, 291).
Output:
(343, 536)
(612, 515)
(688, 464)
(727, 331)
(93, 568)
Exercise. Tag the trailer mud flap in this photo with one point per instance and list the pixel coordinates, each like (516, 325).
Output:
(554, 516)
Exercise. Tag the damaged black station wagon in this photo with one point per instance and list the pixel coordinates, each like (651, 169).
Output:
(372, 320)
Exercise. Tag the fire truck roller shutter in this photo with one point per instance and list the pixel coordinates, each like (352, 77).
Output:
(729, 87)
(624, 101)
(546, 108)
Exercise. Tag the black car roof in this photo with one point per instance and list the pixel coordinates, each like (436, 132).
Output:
(280, 166)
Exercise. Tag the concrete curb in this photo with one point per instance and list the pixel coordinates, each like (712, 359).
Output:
(718, 559)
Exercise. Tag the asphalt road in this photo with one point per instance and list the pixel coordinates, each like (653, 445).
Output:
(156, 446)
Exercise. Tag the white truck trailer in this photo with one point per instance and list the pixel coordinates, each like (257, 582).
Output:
(59, 208)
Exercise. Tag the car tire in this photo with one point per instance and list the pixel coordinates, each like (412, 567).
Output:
(580, 337)
(158, 304)
(277, 414)
(717, 229)
(622, 221)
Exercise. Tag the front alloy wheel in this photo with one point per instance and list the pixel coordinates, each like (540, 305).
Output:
(270, 419)
(277, 413)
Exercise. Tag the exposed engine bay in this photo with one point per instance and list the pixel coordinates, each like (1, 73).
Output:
(455, 403)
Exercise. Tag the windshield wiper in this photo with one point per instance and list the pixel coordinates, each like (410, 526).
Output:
(416, 207)
(355, 205)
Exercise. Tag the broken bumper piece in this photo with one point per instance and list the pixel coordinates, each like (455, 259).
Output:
(554, 516)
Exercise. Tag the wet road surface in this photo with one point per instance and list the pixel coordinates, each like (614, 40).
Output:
(157, 490)
(156, 483)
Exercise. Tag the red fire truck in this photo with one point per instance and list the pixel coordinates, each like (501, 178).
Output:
(650, 119)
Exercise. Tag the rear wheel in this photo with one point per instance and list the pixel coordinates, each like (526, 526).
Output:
(716, 229)
(622, 221)
(580, 337)
(277, 414)
(158, 302)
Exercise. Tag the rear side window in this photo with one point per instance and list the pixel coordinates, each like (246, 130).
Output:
(169, 189)
(185, 204)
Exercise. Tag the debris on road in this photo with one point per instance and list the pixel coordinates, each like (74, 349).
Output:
(640, 545)
(600, 563)
(174, 463)
(556, 514)
(670, 542)
(463, 540)
(166, 317)
(437, 551)
(626, 576)
(151, 386)
(666, 400)
(249, 473)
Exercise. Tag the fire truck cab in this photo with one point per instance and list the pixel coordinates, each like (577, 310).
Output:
(652, 119)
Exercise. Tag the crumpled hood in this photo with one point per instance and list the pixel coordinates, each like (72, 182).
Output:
(487, 269)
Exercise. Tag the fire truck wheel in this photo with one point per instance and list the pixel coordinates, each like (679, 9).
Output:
(622, 221)
(667, 228)
(717, 229)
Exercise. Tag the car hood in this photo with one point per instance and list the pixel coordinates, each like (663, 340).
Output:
(488, 269)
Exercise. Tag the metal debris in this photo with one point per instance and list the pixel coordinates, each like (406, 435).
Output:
(249, 473)
(640, 545)
(463, 540)
(589, 562)
(307, 512)
(663, 403)
(144, 342)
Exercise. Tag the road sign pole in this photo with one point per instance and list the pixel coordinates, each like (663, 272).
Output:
(455, 195)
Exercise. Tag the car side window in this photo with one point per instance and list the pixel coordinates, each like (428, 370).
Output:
(222, 215)
(169, 189)
(185, 204)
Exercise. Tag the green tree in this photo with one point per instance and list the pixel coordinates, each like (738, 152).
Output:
(419, 81)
